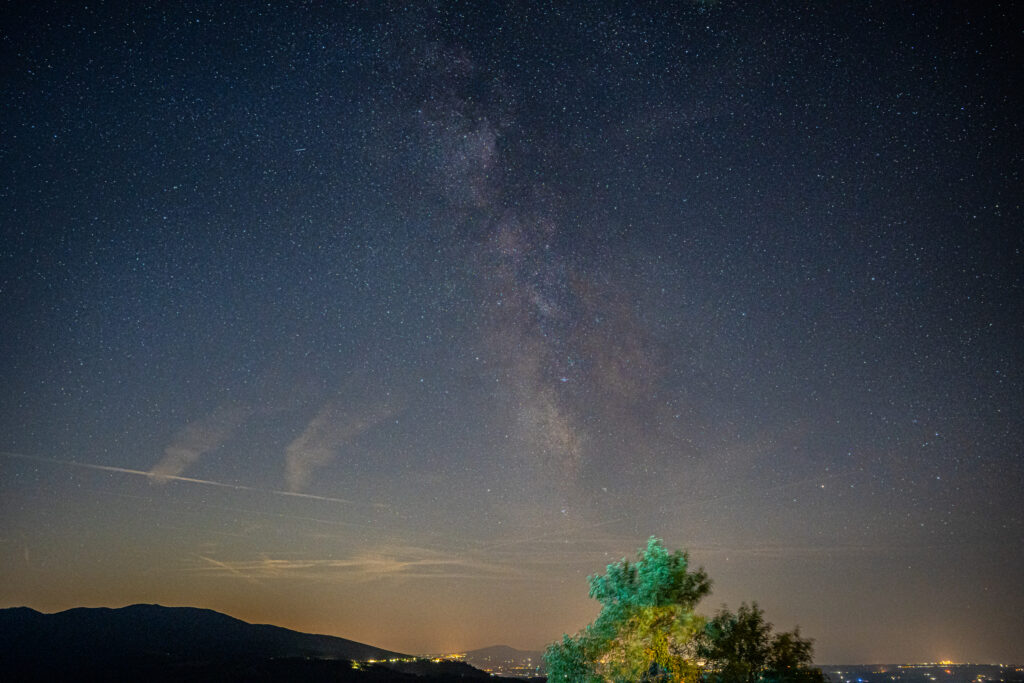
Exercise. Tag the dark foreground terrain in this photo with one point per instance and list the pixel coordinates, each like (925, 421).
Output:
(253, 670)
(946, 672)
(154, 643)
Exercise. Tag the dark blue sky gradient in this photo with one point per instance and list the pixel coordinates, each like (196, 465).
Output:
(396, 323)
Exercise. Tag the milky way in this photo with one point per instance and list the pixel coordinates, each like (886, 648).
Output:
(348, 318)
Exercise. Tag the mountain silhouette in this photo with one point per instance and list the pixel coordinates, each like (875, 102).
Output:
(155, 643)
(170, 632)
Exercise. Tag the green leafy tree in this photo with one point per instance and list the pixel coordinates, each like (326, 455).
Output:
(647, 629)
(570, 660)
(790, 660)
(740, 648)
(736, 645)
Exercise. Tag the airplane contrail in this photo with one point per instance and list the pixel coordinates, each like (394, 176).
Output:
(190, 480)
(229, 568)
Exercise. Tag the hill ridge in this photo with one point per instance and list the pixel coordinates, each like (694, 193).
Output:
(147, 629)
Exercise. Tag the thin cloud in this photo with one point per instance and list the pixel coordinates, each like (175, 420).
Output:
(384, 563)
(328, 431)
(198, 438)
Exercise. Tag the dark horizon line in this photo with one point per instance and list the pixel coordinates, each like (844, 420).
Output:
(820, 665)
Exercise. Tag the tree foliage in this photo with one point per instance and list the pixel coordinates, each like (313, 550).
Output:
(741, 648)
(736, 645)
(647, 625)
(648, 630)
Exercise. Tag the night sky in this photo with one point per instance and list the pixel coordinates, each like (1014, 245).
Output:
(395, 324)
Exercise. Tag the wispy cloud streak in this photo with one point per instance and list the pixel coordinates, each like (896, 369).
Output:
(198, 438)
(328, 431)
(384, 563)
